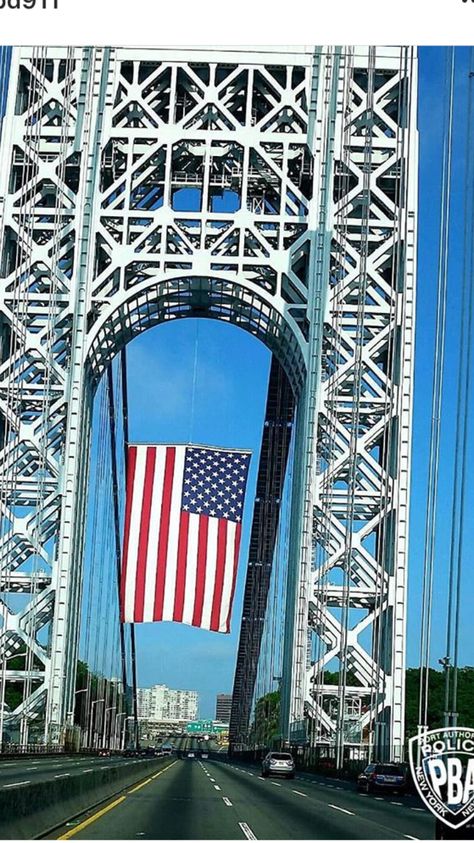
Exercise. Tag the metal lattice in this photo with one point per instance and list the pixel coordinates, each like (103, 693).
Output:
(143, 185)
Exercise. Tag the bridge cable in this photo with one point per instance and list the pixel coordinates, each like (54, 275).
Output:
(438, 383)
(462, 424)
(123, 359)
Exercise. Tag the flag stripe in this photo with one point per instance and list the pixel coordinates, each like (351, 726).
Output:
(173, 536)
(228, 575)
(219, 577)
(191, 568)
(238, 532)
(131, 462)
(181, 567)
(201, 570)
(211, 565)
(154, 534)
(164, 530)
(134, 533)
(144, 532)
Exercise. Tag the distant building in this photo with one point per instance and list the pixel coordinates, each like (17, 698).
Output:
(223, 707)
(162, 703)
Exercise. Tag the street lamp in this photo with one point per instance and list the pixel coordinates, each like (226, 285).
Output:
(130, 717)
(116, 739)
(104, 732)
(91, 734)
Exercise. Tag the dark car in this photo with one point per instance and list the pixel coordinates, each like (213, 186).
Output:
(389, 777)
(278, 764)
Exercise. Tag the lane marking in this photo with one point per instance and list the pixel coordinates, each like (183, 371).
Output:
(396, 803)
(16, 784)
(89, 770)
(300, 794)
(247, 831)
(62, 775)
(160, 773)
(275, 784)
(227, 801)
(216, 787)
(138, 786)
(344, 811)
(410, 837)
(92, 819)
(418, 809)
(250, 774)
(212, 780)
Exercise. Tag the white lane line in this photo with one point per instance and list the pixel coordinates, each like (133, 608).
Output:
(62, 775)
(344, 811)
(418, 809)
(227, 801)
(216, 787)
(212, 780)
(396, 803)
(379, 798)
(275, 784)
(16, 784)
(250, 774)
(410, 837)
(89, 770)
(247, 831)
(300, 794)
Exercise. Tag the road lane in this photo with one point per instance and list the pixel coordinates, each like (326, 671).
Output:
(45, 769)
(194, 799)
(178, 804)
(363, 816)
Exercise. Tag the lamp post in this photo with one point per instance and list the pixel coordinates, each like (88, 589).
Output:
(117, 723)
(104, 732)
(91, 730)
(130, 717)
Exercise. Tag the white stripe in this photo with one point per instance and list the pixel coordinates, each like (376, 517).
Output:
(172, 552)
(191, 569)
(228, 575)
(344, 810)
(134, 534)
(211, 563)
(154, 534)
(247, 831)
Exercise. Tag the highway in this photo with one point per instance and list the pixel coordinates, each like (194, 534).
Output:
(210, 799)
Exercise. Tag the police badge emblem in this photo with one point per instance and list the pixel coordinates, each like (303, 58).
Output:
(442, 766)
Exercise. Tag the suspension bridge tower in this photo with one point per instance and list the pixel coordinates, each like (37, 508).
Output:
(274, 189)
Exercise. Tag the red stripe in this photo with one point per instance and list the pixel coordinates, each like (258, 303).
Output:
(131, 463)
(144, 532)
(181, 567)
(164, 533)
(219, 579)
(238, 532)
(200, 569)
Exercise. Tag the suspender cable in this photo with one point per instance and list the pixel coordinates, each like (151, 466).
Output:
(438, 377)
(123, 360)
(116, 510)
(462, 425)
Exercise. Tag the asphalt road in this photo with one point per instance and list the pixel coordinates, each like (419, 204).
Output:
(194, 799)
(20, 772)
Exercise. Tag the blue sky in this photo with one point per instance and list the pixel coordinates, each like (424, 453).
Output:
(230, 391)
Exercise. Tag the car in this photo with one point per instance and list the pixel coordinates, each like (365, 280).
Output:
(388, 777)
(191, 754)
(278, 764)
(205, 755)
(104, 753)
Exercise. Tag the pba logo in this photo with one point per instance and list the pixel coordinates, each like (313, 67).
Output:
(442, 766)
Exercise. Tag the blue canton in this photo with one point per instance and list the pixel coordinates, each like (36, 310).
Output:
(214, 483)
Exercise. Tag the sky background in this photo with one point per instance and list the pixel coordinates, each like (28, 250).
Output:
(230, 369)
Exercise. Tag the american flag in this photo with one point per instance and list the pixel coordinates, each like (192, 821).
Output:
(183, 522)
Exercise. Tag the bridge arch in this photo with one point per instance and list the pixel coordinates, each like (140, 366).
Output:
(162, 300)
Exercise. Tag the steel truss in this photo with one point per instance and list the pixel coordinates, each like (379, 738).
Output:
(143, 185)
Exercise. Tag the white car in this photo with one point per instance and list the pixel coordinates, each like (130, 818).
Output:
(278, 764)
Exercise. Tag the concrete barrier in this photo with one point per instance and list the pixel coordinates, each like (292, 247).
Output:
(31, 811)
